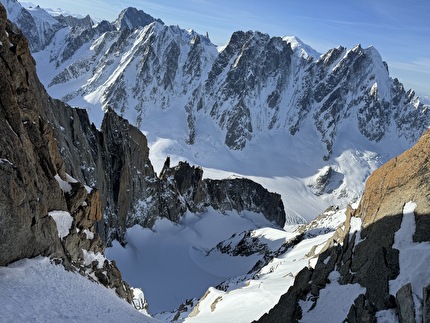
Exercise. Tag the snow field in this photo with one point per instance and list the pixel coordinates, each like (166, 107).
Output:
(248, 300)
(168, 261)
(333, 303)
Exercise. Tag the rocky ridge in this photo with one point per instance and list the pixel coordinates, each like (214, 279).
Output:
(370, 254)
(256, 84)
(219, 100)
(52, 159)
(35, 185)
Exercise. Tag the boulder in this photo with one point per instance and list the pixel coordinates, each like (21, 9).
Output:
(405, 304)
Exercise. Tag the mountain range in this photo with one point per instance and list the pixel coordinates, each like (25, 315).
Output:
(260, 110)
(257, 100)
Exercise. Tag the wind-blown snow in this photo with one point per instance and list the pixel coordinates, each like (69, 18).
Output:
(35, 290)
(64, 221)
(414, 259)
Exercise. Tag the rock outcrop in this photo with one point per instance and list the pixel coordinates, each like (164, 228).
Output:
(37, 194)
(239, 194)
(369, 257)
(116, 161)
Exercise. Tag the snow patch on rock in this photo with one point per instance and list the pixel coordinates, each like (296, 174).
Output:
(64, 221)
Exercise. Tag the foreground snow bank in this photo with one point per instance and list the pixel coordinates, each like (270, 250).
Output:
(37, 290)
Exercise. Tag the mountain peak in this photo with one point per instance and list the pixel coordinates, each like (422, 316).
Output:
(132, 18)
(299, 46)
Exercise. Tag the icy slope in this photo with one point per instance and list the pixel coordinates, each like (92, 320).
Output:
(37, 290)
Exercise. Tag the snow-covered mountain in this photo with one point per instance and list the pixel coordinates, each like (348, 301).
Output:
(309, 126)
(320, 124)
(46, 211)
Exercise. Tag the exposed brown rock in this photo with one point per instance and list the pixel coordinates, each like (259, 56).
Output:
(374, 262)
(402, 179)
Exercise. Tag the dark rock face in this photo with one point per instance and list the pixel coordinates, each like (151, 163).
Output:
(238, 194)
(362, 311)
(426, 304)
(406, 305)
(33, 175)
(373, 262)
(243, 194)
(29, 163)
(132, 18)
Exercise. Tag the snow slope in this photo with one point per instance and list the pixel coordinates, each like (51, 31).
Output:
(37, 290)
(168, 261)
(174, 263)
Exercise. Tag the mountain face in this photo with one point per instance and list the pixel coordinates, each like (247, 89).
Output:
(378, 257)
(256, 96)
(61, 174)
(256, 84)
(49, 149)
(44, 211)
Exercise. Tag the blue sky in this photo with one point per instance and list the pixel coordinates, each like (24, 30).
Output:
(400, 30)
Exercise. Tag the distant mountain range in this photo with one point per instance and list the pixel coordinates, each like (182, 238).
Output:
(268, 108)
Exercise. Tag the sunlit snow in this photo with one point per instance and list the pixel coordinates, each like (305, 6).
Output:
(35, 290)
(172, 263)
